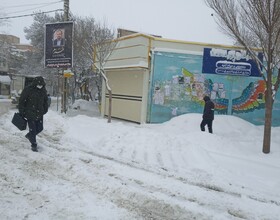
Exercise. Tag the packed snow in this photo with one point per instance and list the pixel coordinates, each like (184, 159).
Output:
(87, 168)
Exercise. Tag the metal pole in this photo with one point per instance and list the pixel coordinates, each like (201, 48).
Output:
(64, 84)
(58, 92)
(66, 10)
(63, 93)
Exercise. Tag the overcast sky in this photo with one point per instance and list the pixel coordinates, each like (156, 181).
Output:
(188, 20)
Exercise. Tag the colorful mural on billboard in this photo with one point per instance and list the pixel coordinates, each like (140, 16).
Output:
(178, 85)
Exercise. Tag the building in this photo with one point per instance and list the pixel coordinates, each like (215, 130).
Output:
(154, 79)
(10, 39)
(9, 44)
(124, 32)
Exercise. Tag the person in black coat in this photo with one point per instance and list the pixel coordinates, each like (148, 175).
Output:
(208, 115)
(33, 104)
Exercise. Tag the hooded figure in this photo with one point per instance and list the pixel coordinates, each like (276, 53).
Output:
(208, 115)
(33, 104)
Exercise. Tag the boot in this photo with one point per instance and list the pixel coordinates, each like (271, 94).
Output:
(34, 147)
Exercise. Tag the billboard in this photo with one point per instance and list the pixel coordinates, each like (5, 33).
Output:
(229, 62)
(58, 45)
(178, 86)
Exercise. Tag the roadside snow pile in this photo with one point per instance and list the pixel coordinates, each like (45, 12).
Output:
(87, 168)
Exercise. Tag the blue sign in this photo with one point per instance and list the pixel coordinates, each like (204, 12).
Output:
(229, 62)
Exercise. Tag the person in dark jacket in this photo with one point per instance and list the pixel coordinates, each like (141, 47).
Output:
(33, 104)
(208, 115)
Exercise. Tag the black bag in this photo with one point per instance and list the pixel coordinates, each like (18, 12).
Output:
(19, 121)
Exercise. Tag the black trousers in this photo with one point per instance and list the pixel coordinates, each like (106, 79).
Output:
(35, 127)
(207, 122)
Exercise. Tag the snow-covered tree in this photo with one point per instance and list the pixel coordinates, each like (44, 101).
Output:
(86, 33)
(255, 24)
(89, 33)
(4, 44)
(34, 65)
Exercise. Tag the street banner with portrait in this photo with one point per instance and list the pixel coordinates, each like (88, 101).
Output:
(58, 45)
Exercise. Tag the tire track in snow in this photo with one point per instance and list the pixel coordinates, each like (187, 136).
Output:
(131, 200)
(227, 208)
(166, 174)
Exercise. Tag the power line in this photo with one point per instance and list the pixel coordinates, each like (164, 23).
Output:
(26, 15)
(19, 6)
(41, 5)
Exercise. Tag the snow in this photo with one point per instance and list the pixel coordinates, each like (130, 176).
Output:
(87, 168)
(5, 80)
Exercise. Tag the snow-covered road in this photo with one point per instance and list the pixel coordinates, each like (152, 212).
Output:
(89, 169)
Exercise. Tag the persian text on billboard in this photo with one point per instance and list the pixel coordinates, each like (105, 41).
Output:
(229, 62)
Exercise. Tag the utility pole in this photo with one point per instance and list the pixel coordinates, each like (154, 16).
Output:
(65, 81)
(66, 10)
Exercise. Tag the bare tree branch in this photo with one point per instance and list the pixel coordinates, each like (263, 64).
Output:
(255, 24)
